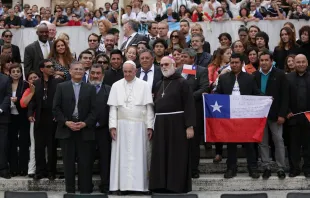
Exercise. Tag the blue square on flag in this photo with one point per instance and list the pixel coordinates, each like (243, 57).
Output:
(216, 106)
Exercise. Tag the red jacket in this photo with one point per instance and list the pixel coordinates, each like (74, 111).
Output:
(74, 23)
(195, 17)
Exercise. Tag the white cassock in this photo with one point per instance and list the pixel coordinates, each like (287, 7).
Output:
(131, 113)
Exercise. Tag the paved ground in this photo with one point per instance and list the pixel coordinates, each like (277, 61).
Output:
(211, 194)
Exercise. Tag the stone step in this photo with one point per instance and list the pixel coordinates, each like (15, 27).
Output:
(205, 166)
(207, 182)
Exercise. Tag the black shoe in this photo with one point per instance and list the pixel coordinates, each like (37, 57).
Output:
(14, 173)
(294, 173)
(51, 177)
(267, 173)
(195, 175)
(23, 173)
(254, 174)
(5, 174)
(307, 174)
(38, 177)
(281, 174)
(230, 174)
(31, 175)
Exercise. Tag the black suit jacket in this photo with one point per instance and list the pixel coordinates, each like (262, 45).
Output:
(277, 87)
(199, 83)
(63, 108)
(136, 39)
(158, 75)
(112, 75)
(204, 60)
(35, 105)
(5, 98)
(32, 57)
(102, 115)
(293, 97)
(247, 84)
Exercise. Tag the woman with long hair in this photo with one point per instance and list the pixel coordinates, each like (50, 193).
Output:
(289, 65)
(220, 62)
(5, 63)
(183, 11)
(18, 134)
(253, 30)
(176, 54)
(61, 57)
(292, 26)
(98, 16)
(177, 40)
(220, 15)
(287, 46)
(78, 10)
(24, 101)
(239, 47)
(131, 53)
(104, 60)
(253, 60)
(244, 15)
(64, 36)
(243, 35)
(104, 26)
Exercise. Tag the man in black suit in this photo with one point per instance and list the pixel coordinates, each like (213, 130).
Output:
(86, 58)
(74, 108)
(115, 72)
(5, 111)
(93, 42)
(44, 130)
(131, 32)
(202, 58)
(37, 51)
(199, 84)
(299, 128)
(7, 38)
(272, 82)
(103, 138)
(238, 82)
(148, 72)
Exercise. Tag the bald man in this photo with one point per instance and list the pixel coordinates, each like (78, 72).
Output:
(131, 125)
(299, 128)
(52, 32)
(37, 51)
(175, 120)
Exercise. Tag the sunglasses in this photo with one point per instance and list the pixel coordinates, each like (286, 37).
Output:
(49, 66)
(92, 40)
(102, 62)
(8, 36)
(174, 36)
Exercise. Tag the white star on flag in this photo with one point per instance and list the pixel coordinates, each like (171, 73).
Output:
(216, 107)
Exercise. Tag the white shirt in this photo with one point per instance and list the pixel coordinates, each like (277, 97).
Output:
(150, 76)
(236, 88)
(160, 11)
(14, 110)
(129, 39)
(206, 8)
(87, 75)
(126, 17)
(45, 47)
(177, 3)
(145, 16)
(234, 8)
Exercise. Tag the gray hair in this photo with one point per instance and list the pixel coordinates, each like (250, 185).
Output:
(131, 63)
(189, 51)
(134, 25)
(76, 63)
(202, 38)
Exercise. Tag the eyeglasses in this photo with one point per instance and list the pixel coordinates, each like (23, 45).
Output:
(92, 40)
(174, 36)
(8, 36)
(49, 66)
(165, 64)
(102, 62)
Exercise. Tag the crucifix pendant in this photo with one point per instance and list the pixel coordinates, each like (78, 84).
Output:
(126, 101)
(162, 95)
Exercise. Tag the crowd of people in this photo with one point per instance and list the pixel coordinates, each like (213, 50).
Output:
(140, 109)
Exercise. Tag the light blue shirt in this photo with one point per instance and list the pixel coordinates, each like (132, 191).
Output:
(76, 89)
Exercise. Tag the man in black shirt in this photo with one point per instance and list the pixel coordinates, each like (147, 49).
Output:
(114, 73)
(12, 21)
(159, 47)
(202, 58)
(60, 20)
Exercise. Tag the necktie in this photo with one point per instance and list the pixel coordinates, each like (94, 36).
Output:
(145, 75)
(45, 51)
(98, 88)
(84, 77)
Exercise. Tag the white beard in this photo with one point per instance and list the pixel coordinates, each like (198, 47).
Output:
(169, 72)
(96, 82)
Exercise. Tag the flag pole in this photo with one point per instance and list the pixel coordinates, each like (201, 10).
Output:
(301, 113)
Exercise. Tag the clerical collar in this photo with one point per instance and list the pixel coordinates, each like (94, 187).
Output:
(76, 83)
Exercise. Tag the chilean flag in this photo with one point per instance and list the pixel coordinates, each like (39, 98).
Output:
(235, 118)
(189, 69)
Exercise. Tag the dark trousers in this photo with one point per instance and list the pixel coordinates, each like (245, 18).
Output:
(300, 137)
(219, 148)
(250, 155)
(75, 148)
(19, 138)
(44, 136)
(103, 141)
(3, 147)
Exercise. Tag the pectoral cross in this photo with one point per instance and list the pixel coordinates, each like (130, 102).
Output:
(162, 95)
(127, 102)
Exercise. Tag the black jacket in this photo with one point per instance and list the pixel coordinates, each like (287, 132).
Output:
(63, 108)
(277, 87)
(5, 98)
(279, 55)
(246, 82)
(112, 75)
(204, 60)
(158, 76)
(102, 108)
(304, 49)
(293, 99)
(174, 16)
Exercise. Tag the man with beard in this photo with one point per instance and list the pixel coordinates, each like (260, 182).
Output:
(115, 72)
(175, 119)
(159, 46)
(163, 29)
(202, 58)
(153, 32)
(109, 44)
(102, 134)
(86, 58)
(184, 28)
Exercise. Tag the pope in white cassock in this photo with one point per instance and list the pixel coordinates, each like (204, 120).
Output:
(131, 124)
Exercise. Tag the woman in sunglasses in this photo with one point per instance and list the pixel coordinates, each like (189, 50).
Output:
(177, 39)
(104, 60)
